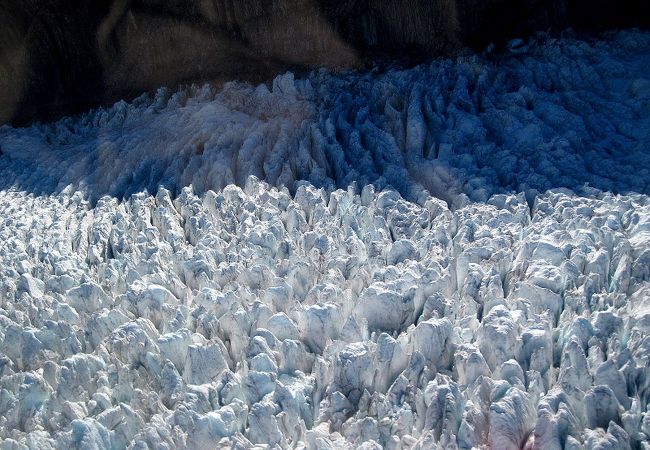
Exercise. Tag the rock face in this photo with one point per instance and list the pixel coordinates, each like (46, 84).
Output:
(61, 57)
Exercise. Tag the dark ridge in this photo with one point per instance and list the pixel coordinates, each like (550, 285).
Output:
(59, 57)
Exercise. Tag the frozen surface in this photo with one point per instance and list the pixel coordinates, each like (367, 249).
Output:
(564, 113)
(482, 280)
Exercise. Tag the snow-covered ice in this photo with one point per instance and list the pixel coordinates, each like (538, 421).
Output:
(451, 256)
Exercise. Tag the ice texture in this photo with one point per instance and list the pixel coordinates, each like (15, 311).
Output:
(406, 260)
(562, 113)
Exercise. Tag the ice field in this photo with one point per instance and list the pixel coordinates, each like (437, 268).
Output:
(455, 255)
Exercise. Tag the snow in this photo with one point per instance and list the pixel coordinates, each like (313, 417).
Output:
(399, 259)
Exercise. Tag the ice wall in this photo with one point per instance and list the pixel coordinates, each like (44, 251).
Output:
(551, 114)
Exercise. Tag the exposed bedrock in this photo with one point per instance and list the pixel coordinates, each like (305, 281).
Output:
(63, 57)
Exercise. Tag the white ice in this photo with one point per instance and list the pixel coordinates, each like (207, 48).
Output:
(455, 255)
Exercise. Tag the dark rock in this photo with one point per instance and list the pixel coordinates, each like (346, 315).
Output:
(61, 57)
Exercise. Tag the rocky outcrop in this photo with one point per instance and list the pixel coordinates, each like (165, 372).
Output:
(62, 57)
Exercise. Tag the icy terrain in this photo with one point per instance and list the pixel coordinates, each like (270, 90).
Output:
(451, 256)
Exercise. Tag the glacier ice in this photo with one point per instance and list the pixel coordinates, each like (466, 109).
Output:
(565, 113)
(249, 352)
(400, 260)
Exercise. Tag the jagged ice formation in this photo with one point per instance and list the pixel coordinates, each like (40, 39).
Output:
(451, 256)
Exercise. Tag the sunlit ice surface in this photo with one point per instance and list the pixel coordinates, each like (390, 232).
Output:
(452, 255)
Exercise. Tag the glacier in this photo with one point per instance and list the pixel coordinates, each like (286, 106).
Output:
(453, 255)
